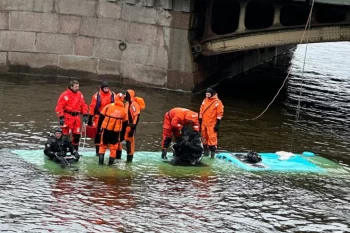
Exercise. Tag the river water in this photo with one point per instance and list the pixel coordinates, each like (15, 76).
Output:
(35, 200)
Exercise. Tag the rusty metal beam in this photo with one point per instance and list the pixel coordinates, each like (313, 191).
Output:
(275, 38)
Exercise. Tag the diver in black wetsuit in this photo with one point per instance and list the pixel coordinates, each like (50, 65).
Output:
(57, 146)
(188, 149)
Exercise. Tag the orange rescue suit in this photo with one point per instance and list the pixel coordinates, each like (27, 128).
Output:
(105, 98)
(133, 109)
(211, 110)
(71, 105)
(174, 120)
(111, 124)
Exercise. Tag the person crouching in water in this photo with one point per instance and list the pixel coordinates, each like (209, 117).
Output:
(57, 146)
(188, 150)
(112, 123)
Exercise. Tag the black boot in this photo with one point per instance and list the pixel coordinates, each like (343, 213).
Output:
(164, 152)
(119, 154)
(206, 151)
(129, 158)
(111, 161)
(212, 154)
(212, 151)
(101, 158)
(97, 150)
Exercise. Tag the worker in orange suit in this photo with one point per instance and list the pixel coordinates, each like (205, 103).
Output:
(99, 100)
(133, 107)
(112, 123)
(210, 116)
(174, 120)
(70, 106)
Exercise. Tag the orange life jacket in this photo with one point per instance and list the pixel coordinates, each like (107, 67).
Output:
(115, 115)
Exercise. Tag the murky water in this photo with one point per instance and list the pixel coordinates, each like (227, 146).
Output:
(157, 200)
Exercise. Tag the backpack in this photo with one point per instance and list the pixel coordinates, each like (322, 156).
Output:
(141, 102)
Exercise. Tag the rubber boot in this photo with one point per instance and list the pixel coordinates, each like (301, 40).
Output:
(206, 151)
(164, 152)
(101, 158)
(97, 149)
(212, 154)
(129, 158)
(119, 154)
(111, 161)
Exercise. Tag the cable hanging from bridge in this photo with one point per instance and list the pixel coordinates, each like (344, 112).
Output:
(306, 29)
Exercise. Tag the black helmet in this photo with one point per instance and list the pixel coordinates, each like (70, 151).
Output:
(104, 84)
(58, 130)
(211, 91)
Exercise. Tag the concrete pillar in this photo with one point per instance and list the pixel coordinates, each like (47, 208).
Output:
(133, 2)
(150, 3)
(183, 5)
(166, 4)
(241, 24)
(276, 20)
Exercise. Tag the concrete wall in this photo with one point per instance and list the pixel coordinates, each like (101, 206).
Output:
(81, 38)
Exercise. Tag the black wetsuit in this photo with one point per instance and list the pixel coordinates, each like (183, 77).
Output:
(56, 149)
(188, 150)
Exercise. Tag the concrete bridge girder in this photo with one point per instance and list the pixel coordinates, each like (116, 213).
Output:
(276, 34)
(275, 38)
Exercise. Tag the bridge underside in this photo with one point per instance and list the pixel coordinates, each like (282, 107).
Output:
(232, 26)
(275, 38)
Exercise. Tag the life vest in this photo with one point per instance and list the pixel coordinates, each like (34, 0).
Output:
(98, 102)
(115, 115)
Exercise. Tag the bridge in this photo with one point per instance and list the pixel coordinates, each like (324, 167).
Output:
(232, 36)
(231, 26)
(174, 44)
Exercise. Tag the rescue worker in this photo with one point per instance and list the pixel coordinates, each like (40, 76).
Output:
(210, 116)
(133, 107)
(188, 150)
(174, 120)
(99, 100)
(112, 120)
(70, 106)
(57, 146)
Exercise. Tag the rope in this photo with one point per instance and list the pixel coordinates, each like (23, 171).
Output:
(307, 27)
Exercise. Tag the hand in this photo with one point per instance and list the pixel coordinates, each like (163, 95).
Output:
(131, 133)
(61, 121)
(216, 128)
(75, 153)
(85, 118)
